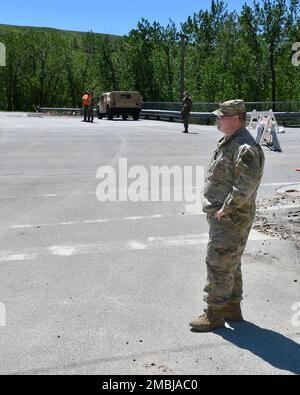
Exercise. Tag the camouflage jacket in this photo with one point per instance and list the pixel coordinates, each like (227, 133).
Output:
(187, 104)
(234, 176)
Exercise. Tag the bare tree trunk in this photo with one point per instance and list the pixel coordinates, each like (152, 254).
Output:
(273, 78)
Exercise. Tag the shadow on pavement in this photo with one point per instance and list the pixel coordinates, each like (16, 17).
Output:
(272, 347)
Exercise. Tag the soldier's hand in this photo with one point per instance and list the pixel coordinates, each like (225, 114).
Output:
(219, 215)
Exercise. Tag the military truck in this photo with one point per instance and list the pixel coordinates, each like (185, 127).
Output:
(122, 104)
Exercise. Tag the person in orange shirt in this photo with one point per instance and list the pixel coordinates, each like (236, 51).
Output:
(86, 104)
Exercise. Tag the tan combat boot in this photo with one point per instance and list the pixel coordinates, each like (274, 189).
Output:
(212, 319)
(233, 312)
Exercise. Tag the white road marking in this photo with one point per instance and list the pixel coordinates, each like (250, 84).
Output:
(62, 250)
(67, 251)
(79, 193)
(185, 240)
(197, 239)
(137, 246)
(133, 218)
(7, 257)
(108, 220)
(80, 249)
(96, 221)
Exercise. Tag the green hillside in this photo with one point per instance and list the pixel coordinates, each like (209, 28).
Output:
(6, 29)
(52, 67)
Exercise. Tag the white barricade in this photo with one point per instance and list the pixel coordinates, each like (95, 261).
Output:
(267, 129)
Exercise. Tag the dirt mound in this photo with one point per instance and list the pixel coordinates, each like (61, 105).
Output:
(280, 216)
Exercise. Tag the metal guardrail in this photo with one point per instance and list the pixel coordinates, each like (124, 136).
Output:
(156, 114)
(174, 115)
(280, 106)
(287, 115)
(54, 109)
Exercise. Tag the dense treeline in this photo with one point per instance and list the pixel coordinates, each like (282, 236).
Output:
(246, 55)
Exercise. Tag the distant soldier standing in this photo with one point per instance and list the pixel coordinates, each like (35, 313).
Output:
(186, 109)
(91, 107)
(230, 193)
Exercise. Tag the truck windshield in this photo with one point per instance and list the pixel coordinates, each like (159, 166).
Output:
(125, 97)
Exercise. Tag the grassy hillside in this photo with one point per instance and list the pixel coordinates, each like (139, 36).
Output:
(6, 29)
(52, 67)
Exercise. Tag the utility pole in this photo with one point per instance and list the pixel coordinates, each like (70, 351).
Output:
(184, 40)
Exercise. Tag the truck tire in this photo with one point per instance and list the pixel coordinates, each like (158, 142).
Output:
(99, 115)
(136, 117)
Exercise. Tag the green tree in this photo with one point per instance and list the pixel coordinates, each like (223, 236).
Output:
(15, 67)
(273, 21)
(202, 30)
(140, 45)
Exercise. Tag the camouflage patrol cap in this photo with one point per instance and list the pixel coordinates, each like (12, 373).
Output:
(231, 107)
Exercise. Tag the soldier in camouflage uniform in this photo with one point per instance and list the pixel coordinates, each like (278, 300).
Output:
(230, 203)
(92, 102)
(186, 109)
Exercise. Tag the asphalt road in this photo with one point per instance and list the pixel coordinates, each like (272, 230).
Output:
(110, 288)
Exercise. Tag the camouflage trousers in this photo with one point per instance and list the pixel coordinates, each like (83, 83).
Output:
(227, 243)
(186, 119)
(85, 112)
(90, 114)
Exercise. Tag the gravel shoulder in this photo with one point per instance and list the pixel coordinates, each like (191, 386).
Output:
(280, 215)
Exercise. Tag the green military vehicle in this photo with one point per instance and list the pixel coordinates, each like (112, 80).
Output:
(122, 104)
